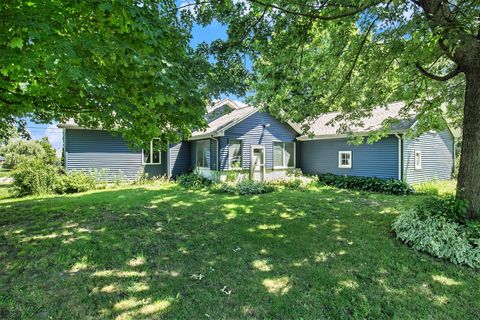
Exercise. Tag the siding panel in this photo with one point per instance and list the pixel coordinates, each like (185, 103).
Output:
(379, 159)
(179, 158)
(437, 157)
(90, 150)
(251, 131)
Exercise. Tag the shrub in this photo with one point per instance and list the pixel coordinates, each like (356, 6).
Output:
(34, 177)
(193, 180)
(439, 237)
(246, 187)
(390, 186)
(447, 206)
(75, 182)
(293, 184)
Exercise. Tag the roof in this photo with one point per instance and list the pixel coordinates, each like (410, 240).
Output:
(322, 126)
(224, 122)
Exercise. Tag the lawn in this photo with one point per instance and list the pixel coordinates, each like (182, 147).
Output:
(4, 172)
(162, 251)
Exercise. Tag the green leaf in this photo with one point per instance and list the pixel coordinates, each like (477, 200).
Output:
(16, 43)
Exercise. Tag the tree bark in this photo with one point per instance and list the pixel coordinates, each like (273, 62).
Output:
(468, 187)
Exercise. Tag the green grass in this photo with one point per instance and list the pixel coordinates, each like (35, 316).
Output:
(162, 251)
(437, 187)
(4, 194)
(4, 172)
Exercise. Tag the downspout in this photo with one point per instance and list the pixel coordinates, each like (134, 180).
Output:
(65, 149)
(454, 156)
(216, 153)
(169, 171)
(400, 158)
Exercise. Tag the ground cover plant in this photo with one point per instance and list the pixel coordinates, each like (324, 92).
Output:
(388, 186)
(442, 226)
(161, 250)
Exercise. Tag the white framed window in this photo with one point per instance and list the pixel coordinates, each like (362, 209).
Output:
(153, 154)
(235, 154)
(345, 159)
(202, 154)
(283, 154)
(418, 159)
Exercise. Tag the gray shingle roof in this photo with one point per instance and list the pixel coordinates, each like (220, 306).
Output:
(226, 120)
(322, 126)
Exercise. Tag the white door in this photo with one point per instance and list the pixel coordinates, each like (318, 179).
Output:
(257, 164)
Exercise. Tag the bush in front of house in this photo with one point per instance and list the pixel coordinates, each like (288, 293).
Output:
(34, 177)
(75, 182)
(293, 184)
(246, 187)
(192, 180)
(387, 186)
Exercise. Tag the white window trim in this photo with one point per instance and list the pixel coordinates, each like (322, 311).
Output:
(343, 166)
(230, 158)
(196, 149)
(151, 156)
(419, 152)
(283, 153)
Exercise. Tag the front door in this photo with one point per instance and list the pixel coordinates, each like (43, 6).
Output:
(257, 165)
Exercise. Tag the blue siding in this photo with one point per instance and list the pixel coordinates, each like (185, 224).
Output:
(251, 131)
(437, 157)
(179, 158)
(379, 159)
(89, 150)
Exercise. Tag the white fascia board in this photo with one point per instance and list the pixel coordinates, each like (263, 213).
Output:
(340, 136)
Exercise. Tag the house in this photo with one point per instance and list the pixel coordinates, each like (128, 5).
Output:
(243, 140)
(2, 160)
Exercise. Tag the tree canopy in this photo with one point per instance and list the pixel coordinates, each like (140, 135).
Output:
(125, 66)
(314, 56)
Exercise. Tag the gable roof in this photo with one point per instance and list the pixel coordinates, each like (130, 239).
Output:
(322, 128)
(240, 112)
(221, 124)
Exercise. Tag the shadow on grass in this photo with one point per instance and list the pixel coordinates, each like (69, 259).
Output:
(166, 251)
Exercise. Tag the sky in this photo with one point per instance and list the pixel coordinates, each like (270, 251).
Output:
(55, 135)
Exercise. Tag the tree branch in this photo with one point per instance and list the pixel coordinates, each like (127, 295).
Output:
(446, 77)
(317, 16)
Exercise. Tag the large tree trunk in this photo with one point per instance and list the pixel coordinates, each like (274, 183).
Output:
(468, 187)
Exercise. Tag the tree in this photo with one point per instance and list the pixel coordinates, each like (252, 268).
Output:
(18, 151)
(313, 56)
(123, 65)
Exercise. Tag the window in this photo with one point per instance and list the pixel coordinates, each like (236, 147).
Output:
(345, 159)
(235, 154)
(284, 154)
(202, 154)
(152, 155)
(418, 159)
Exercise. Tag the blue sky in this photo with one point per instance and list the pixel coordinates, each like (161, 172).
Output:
(55, 135)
